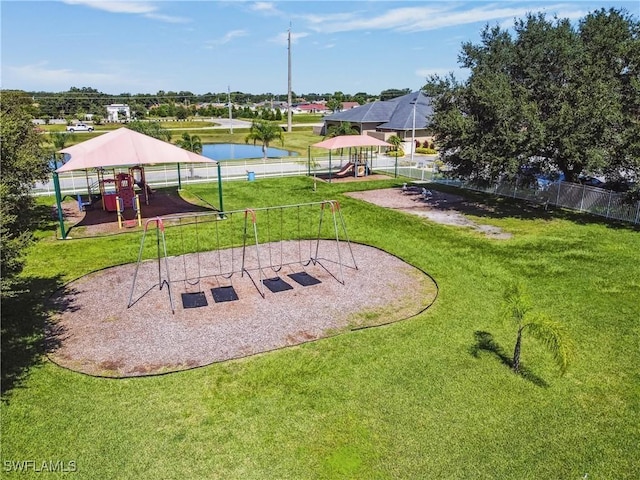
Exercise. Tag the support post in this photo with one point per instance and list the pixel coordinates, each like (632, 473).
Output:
(56, 185)
(179, 179)
(220, 187)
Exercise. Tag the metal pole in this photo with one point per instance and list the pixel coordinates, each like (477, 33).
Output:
(179, 179)
(230, 115)
(413, 130)
(220, 187)
(56, 185)
(289, 100)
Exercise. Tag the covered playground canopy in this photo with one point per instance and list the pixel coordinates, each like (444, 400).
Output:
(350, 141)
(346, 141)
(123, 148)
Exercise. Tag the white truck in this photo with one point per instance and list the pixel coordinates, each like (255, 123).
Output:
(79, 127)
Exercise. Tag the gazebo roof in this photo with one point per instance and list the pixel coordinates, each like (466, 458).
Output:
(125, 147)
(346, 141)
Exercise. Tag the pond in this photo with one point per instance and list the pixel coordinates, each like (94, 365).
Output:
(232, 151)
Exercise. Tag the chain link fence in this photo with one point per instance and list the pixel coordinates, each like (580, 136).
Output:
(574, 196)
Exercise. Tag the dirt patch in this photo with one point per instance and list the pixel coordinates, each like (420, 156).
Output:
(99, 332)
(437, 206)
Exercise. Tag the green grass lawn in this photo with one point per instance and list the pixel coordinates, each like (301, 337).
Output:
(428, 397)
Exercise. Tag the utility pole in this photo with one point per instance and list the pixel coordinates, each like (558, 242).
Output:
(230, 115)
(289, 80)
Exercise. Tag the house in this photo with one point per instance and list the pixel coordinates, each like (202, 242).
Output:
(406, 116)
(117, 112)
(349, 105)
(311, 108)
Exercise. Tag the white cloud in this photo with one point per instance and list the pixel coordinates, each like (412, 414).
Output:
(281, 38)
(228, 37)
(265, 7)
(115, 6)
(146, 9)
(59, 78)
(428, 17)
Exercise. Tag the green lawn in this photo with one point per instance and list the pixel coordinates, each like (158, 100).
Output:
(428, 397)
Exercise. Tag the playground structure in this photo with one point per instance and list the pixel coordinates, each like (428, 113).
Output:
(362, 150)
(359, 165)
(116, 192)
(253, 246)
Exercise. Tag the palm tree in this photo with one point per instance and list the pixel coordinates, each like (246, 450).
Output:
(190, 142)
(343, 128)
(59, 140)
(264, 132)
(396, 141)
(518, 307)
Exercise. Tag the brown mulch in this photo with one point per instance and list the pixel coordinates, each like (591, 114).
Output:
(95, 221)
(96, 331)
(437, 206)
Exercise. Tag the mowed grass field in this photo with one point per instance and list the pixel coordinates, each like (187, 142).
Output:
(429, 397)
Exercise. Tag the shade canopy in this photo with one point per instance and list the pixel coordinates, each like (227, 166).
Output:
(124, 147)
(346, 141)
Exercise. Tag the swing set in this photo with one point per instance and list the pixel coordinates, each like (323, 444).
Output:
(245, 250)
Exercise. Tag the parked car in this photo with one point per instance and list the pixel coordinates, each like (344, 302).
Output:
(79, 127)
(591, 181)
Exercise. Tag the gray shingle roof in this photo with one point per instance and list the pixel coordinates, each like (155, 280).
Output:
(394, 114)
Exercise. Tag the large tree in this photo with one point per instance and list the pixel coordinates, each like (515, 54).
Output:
(550, 97)
(23, 163)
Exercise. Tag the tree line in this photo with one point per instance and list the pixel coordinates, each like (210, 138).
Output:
(547, 97)
(78, 102)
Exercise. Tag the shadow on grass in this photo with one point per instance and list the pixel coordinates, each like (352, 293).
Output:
(484, 342)
(27, 333)
(482, 204)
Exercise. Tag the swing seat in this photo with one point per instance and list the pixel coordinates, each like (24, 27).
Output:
(130, 223)
(304, 279)
(276, 284)
(224, 294)
(194, 300)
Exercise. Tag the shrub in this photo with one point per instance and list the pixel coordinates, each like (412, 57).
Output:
(426, 151)
(395, 153)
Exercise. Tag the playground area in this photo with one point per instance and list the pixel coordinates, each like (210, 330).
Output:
(91, 222)
(96, 332)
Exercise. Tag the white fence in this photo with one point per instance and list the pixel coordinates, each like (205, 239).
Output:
(75, 182)
(574, 196)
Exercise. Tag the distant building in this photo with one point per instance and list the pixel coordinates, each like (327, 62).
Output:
(407, 116)
(311, 108)
(117, 112)
(349, 105)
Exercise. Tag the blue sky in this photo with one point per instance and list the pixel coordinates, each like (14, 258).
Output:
(208, 46)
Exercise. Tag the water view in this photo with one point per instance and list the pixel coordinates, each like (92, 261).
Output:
(232, 151)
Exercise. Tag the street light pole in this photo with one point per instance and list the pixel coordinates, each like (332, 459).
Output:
(230, 114)
(413, 129)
